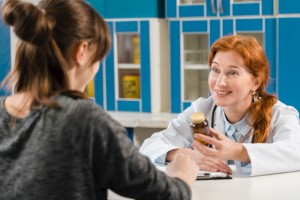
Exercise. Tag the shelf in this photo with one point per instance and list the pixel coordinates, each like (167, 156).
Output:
(129, 66)
(189, 66)
(142, 120)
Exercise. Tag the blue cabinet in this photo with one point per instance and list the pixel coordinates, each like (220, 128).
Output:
(288, 7)
(134, 75)
(4, 52)
(134, 70)
(195, 25)
(213, 8)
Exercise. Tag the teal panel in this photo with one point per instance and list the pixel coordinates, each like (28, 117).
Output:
(226, 8)
(288, 69)
(267, 7)
(99, 86)
(171, 8)
(194, 26)
(130, 9)
(243, 9)
(145, 67)
(191, 11)
(175, 74)
(214, 32)
(249, 25)
(5, 65)
(228, 27)
(110, 74)
(270, 48)
(186, 104)
(289, 6)
(127, 26)
(129, 105)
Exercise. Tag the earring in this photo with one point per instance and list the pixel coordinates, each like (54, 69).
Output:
(255, 96)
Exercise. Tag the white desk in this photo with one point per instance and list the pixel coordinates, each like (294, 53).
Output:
(284, 186)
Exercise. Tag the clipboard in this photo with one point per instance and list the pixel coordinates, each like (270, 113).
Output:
(212, 176)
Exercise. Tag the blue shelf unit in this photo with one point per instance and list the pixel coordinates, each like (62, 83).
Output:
(137, 18)
(187, 19)
(224, 8)
(113, 103)
(5, 65)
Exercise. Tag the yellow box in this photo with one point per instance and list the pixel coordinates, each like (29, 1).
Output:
(131, 86)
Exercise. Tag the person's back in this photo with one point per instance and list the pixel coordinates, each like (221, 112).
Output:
(74, 153)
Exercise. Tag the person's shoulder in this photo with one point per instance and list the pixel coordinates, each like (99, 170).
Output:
(281, 108)
(84, 111)
(203, 104)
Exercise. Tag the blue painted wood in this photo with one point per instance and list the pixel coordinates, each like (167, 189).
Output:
(209, 8)
(288, 69)
(5, 65)
(191, 11)
(130, 9)
(129, 105)
(242, 9)
(110, 74)
(226, 8)
(99, 87)
(175, 74)
(214, 31)
(270, 48)
(289, 6)
(194, 26)
(249, 25)
(130, 133)
(171, 8)
(228, 27)
(145, 66)
(267, 7)
(186, 104)
(127, 26)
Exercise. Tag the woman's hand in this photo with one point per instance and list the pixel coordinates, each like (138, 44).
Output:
(183, 167)
(204, 163)
(224, 148)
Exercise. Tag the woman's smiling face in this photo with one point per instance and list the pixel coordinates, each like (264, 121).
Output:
(230, 81)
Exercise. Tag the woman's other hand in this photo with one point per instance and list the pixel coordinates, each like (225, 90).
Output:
(204, 163)
(183, 167)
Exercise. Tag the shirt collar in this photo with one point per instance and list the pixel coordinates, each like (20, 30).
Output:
(242, 127)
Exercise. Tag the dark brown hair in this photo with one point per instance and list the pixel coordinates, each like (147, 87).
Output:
(256, 61)
(48, 33)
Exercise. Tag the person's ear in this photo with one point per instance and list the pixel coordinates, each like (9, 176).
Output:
(80, 53)
(257, 83)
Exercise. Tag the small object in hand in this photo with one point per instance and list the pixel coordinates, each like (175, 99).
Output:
(199, 124)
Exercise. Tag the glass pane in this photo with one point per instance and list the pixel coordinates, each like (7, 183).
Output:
(258, 36)
(195, 49)
(128, 46)
(191, 1)
(195, 84)
(129, 83)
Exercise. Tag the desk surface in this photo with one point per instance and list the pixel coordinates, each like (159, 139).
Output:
(284, 186)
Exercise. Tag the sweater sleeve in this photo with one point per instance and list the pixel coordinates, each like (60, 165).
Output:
(120, 167)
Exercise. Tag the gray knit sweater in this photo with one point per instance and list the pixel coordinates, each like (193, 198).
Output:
(75, 153)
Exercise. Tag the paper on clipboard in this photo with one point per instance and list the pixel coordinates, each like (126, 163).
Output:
(205, 175)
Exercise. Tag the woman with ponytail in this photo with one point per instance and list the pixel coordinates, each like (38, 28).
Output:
(54, 142)
(250, 128)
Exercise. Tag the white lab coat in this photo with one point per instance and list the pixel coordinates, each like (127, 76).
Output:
(280, 153)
